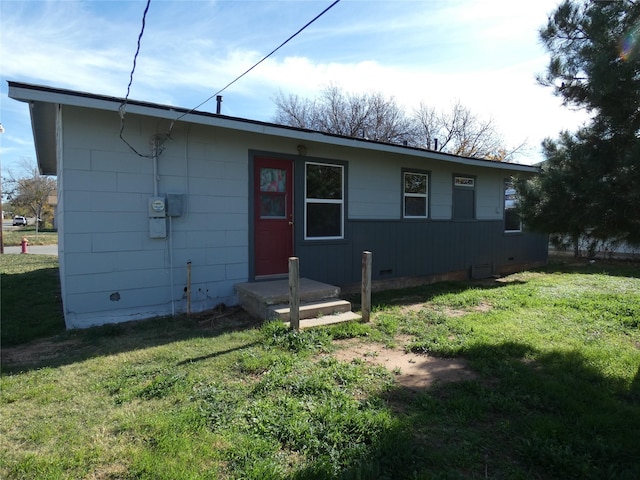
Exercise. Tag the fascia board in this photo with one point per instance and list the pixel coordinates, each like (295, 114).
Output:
(35, 93)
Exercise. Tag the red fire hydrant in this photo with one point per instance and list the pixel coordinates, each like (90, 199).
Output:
(25, 244)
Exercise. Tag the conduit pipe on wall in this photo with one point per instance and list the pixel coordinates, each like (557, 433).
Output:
(173, 296)
(189, 288)
(155, 173)
(156, 141)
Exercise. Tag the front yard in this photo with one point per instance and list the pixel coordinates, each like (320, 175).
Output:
(536, 375)
(42, 237)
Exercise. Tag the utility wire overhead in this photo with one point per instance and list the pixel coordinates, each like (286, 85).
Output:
(123, 107)
(156, 139)
(257, 63)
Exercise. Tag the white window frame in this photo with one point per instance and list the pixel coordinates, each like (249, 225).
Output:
(406, 195)
(508, 183)
(324, 201)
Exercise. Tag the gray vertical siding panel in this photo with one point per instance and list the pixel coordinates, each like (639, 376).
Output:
(407, 249)
(325, 263)
(413, 246)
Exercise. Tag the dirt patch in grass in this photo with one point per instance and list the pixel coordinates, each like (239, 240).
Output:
(455, 312)
(219, 320)
(448, 311)
(413, 371)
(109, 472)
(414, 307)
(36, 352)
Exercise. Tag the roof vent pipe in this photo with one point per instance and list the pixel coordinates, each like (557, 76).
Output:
(435, 144)
(218, 104)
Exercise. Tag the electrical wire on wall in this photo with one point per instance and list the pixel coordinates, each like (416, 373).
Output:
(156, 140)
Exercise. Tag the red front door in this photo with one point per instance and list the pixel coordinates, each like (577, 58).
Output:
(273, 213)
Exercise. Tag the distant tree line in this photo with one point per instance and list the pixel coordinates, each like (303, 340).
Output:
(376, 117)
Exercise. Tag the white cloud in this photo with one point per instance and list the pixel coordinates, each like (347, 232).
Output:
(485, 54)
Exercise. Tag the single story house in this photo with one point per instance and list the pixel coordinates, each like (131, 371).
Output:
(158, 194)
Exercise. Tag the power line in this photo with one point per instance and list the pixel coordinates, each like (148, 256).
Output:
(135, 56)
(256, 64)
(123, 107)
(157, 141)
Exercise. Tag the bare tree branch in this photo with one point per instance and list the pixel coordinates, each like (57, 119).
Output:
(376, 117)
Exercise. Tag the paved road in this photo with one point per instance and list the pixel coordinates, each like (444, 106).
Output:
(8, 225)
(34, 249)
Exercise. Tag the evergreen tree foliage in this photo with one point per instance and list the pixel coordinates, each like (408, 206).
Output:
(589, 186)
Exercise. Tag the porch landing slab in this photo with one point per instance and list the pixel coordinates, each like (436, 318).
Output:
(275, 292)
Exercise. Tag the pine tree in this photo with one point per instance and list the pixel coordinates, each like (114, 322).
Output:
(589, 184)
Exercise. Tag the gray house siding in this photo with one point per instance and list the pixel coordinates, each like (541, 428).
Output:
(408, 249)
(115, 272)
(112, 269)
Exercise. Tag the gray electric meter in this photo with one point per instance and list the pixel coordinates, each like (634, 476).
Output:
(157, 207)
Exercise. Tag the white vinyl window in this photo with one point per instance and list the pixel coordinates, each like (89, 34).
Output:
(512, 222)
(324, 201)
(415, 188)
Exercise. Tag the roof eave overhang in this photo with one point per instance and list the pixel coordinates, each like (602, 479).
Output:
(43, 123)
(44, 101)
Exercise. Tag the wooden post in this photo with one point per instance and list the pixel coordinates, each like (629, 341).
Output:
(294, 297)
(366, 286)
(188, 288)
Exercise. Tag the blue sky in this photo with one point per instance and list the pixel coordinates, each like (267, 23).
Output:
(482, 53)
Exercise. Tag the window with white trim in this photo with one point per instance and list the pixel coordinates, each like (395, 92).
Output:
(324, 201)
(415, 191)
(512, 222)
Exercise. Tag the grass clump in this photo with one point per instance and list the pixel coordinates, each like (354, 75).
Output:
(277, 334)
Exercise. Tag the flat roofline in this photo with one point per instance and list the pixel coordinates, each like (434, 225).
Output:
(39, 94)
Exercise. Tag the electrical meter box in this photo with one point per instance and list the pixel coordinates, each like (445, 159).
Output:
(157, 228)
(174, 204)
(157, 207)
(157, 217)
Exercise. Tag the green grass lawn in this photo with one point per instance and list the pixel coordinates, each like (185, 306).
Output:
(556, 391)
(30, 293)
(43, 237)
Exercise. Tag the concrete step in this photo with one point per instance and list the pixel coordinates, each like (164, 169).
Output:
(328, 320)
(259, 297)
(311, 309)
